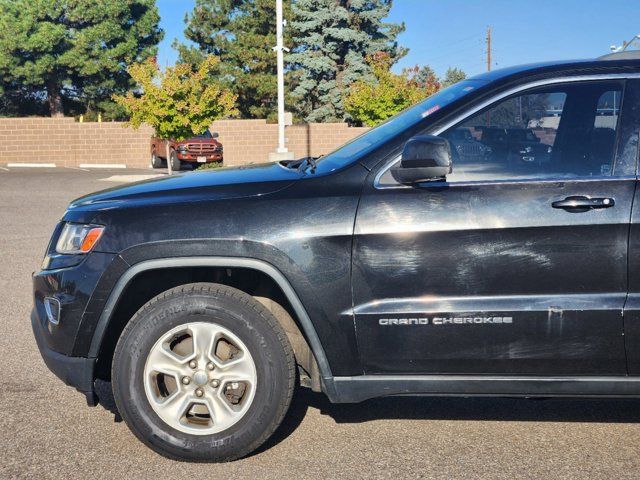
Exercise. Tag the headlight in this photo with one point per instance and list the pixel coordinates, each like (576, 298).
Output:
(78, 238)
(183, 148)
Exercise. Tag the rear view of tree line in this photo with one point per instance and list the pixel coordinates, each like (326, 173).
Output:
(71, 56)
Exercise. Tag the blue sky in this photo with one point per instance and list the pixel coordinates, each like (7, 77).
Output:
(443, 33)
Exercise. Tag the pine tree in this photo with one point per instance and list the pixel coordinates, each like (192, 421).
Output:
(73, 51)
(242, 34)
(453, 75)
(425, 75)
(333, 39)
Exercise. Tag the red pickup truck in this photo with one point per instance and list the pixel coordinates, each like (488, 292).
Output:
(203, 148)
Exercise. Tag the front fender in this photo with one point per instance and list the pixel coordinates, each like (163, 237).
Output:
(230, 262)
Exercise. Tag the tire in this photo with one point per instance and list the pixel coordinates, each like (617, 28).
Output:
(191, 435)
(156, 161)
(176, 164)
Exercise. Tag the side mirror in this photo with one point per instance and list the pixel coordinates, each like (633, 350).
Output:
(425, 158)
(214, 135)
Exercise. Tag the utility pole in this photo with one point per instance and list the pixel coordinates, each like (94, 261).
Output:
(488, 49)
(487, 115)
(281, 152)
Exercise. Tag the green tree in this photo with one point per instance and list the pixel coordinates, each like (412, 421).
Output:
(17, 100)
(332, 40)
(178, 102)
(424, 76)
(370, 103)
(242, 33)
(74, 51)
(453, 75)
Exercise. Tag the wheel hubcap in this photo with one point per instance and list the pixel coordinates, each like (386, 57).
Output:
(201, 378)
(183, 373)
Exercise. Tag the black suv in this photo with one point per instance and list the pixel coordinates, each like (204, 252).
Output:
(383, 268)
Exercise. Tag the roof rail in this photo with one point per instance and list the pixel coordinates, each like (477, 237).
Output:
(624, 55)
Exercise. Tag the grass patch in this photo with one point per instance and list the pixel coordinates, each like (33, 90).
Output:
(210, 166)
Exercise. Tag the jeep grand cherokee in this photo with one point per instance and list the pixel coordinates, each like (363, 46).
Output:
(383, 268)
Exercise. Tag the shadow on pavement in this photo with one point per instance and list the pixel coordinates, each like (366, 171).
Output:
(439, 408)
(480, 408)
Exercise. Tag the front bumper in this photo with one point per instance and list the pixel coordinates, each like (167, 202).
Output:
(81, 296)
(192, 157)
(80, 290)
(77, 372)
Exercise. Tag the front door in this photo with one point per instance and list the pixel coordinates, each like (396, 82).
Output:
(517, 263)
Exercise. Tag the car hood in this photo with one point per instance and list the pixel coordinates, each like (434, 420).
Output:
(224, 183)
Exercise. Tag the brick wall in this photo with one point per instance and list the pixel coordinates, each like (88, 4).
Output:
(252, 140)
(68, 143)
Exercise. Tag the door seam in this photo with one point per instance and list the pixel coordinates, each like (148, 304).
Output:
(628, 282)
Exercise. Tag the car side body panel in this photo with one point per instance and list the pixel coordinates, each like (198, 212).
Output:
(303, 231)
(501, 283)
(487, 278)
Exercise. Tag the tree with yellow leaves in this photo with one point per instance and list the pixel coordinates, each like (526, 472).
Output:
(370, 103)
(179, 102)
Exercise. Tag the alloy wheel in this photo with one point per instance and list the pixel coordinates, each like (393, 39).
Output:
(200, 378)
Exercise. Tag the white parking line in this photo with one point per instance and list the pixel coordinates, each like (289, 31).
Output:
(31, 165)
(78, 168)
(5, 169)
(130, 178)
(103, 165)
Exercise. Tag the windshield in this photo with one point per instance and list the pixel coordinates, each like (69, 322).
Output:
(205, 134)
(395, 125)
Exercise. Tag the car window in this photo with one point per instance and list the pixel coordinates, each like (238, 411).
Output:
(564, 131)
(374, 138)
(205, 134)
(608, 110)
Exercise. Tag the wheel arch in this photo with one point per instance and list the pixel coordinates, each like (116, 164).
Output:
(317, 363)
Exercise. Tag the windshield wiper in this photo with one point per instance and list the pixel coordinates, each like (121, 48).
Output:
(312, 162)
(301, 162)
(292, 164)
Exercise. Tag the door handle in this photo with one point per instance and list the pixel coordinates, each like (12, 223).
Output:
(582, 203)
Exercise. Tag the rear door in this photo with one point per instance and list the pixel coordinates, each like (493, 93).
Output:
(517, 264)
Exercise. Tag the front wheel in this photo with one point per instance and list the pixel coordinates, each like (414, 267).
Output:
(156, 161)
(203, 372)
(176, 164)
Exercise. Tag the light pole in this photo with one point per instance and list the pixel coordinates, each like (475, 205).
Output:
(281, 152)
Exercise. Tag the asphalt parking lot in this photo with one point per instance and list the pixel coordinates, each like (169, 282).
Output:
(47, 431)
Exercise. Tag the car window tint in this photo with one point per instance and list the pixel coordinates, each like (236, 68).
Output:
(205, 134)
(565, 131)
(608, 110)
